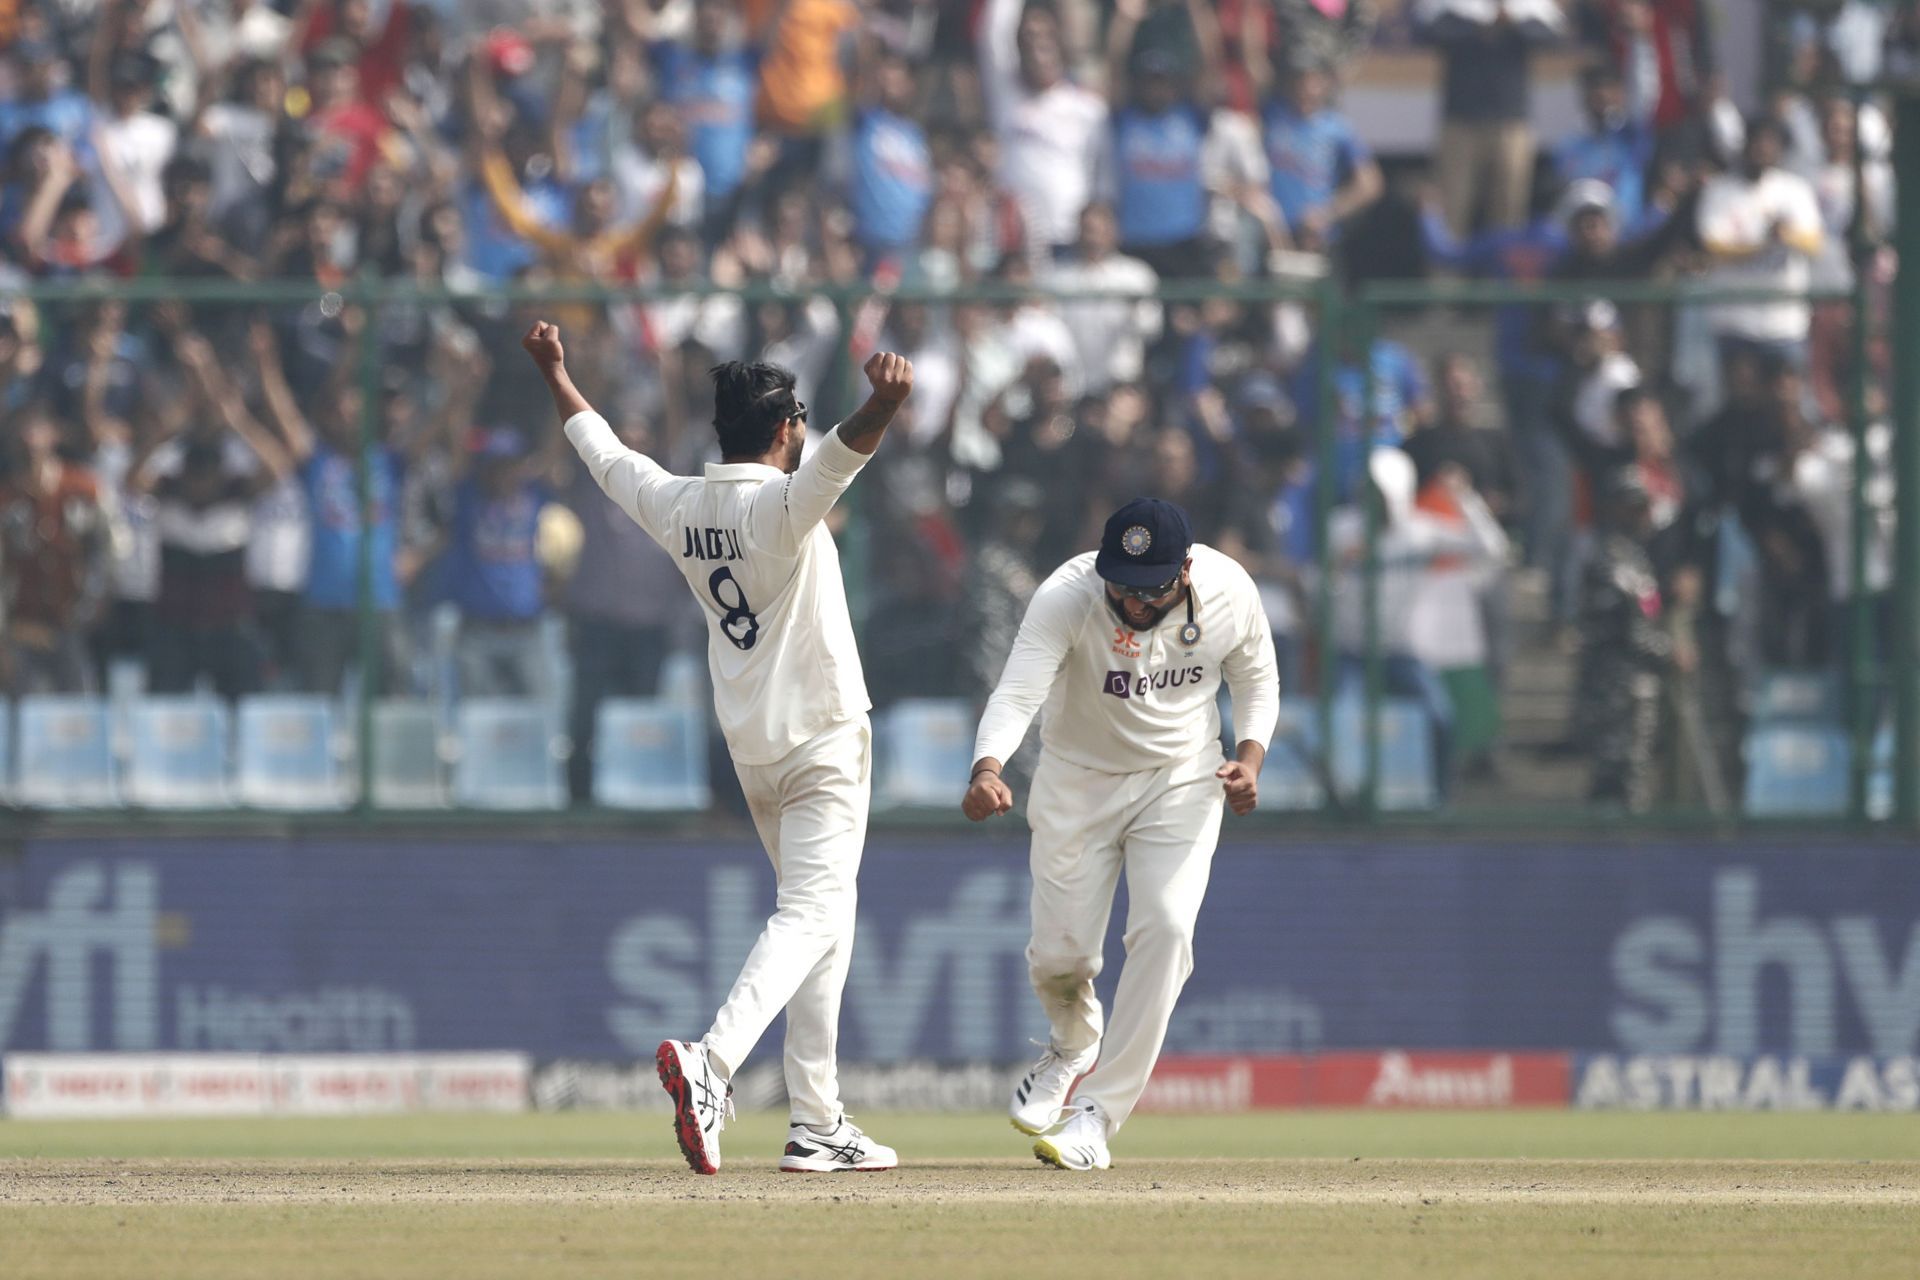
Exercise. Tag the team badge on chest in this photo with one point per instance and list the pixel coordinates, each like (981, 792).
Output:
(1189, 633)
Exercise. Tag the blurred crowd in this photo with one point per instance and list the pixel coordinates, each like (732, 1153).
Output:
(182, 481)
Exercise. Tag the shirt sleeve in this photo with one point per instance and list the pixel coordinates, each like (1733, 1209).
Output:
(1253, 673)
(637, 484)
(1039, 650)
(784, 514)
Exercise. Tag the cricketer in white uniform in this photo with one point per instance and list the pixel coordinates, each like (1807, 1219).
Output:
(792, 703)
(1126, 649)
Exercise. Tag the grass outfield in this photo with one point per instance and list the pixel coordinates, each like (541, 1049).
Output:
(1377, 1194)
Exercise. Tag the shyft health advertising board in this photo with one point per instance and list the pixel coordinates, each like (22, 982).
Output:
(596, 950)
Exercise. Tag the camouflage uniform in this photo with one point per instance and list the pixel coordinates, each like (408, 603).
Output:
(1622, 666)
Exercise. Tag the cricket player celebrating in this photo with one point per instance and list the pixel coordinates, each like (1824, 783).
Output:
(1126, 649)
(791, 700)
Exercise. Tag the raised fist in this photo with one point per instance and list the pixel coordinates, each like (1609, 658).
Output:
(891, 376)
(543, 344)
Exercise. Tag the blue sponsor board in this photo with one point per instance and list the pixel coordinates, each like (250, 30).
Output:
(597, 949)
(1762, 1082)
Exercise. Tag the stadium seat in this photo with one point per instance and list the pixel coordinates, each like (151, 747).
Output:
(1797, 771)
(1290, 778)
(505, 756)
(66, 754)
(285, 757)
(923, 749)
(406, 767)
(1407, 772)
(177, 753)
(650, 753)
(1800, 696)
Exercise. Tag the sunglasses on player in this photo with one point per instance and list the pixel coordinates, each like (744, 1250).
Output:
(799, 411)
(1146, 595)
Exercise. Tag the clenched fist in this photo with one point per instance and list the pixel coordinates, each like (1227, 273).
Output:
(891, 376)
(987, 797)
(543, 344)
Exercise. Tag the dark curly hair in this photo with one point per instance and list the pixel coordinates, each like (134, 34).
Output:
(750, 401)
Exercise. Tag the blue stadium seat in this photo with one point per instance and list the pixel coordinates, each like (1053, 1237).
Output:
(1407, 772)
(177, 753)
(923, 748)
(1797, 770)
(285, 755)
(407, 771)
(506, 758)
(66, 754)
(1801, 696)
(650, 753)
(1290, 778)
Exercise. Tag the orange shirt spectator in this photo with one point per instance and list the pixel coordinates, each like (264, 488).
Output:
(803, 88)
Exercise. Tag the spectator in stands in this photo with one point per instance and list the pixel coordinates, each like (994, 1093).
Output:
(1449, 629)
(492, 570)
(803, 89)
(1110, 337)
(621, 604)
(1321, 172)
(1484, 160)
(1617, 145)
(40, 99)
(1668, 43)
(892, 167)
(1625, 652)
(1400, 404)
(203, 617)
(1761, 225)
(1052, 133)
(711, 81)
(1158, 187)
(54, 544)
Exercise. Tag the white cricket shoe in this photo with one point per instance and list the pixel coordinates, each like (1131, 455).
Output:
(845, 1149)
(1041, 1095)
(702, 1101)
(1080, 1144)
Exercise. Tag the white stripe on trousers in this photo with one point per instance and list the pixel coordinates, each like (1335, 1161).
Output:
(810, 808)
(1161, 827)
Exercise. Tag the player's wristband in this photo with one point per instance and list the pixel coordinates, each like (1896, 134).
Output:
(977, 772)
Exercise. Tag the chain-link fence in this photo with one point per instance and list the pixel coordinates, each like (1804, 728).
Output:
(1556, 551)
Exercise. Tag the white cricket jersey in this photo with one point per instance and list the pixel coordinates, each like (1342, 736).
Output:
(1120, 700)
(750, 541)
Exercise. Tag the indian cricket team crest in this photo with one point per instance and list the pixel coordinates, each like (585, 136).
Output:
(1189, 633)
(1136, 540)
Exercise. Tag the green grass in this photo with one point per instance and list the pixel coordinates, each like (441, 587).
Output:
(1393, 1196)
(1569, 1135)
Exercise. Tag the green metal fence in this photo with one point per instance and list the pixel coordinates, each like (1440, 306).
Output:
(1334, 314)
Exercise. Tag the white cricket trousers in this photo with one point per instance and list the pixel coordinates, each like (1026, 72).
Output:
(810, 808)
(1160, 826)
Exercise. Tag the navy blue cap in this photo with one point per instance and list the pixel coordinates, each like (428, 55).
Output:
(1144, 544)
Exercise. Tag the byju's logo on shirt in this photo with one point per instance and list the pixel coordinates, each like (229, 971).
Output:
(1124, 684)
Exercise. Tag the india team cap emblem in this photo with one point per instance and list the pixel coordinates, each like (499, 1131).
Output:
(1190, 634)
(1136, 540)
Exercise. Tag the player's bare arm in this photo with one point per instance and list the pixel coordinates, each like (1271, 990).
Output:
(891, 377)
(988, 795)
(1241, 776)
(550, 357)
